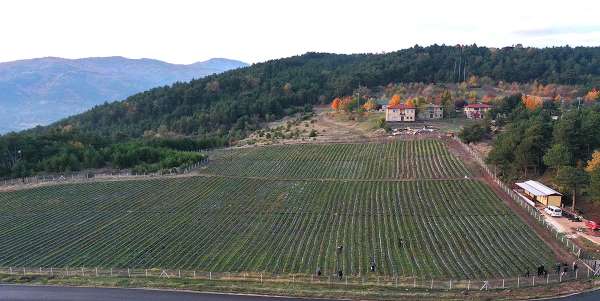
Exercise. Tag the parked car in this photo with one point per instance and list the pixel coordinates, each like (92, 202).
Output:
(553, 211)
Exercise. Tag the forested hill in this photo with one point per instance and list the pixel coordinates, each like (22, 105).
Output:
(217, 109)
(237, 100)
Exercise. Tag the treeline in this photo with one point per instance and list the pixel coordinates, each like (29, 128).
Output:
(226, 107)
(554, 138)
(57, 151)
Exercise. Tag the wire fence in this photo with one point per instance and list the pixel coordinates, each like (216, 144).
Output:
(343, 280)
(559, 236)
(97, 176)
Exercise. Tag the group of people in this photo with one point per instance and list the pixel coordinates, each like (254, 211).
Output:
(340, 273)
(560, 267)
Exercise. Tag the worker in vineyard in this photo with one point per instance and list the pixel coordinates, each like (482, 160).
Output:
(319, 272)
(340, 274)
(401, 242)
(340, 249)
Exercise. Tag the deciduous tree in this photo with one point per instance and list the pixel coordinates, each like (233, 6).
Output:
(335, 104)
(395, 100)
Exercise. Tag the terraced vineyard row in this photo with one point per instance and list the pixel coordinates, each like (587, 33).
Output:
(420, 159)
(428, 228)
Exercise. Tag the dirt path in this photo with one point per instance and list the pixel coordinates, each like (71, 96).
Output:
(478, 173)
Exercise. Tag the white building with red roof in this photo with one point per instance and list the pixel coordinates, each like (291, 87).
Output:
(476, 110)
(401, 113)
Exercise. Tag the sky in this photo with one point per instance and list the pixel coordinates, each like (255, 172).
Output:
(180, 31)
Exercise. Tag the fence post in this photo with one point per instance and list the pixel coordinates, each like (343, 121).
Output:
(52, 272)
(111, 274)
(450, 284)
(469, 285)
(502, 282)
(518, 282)
(210, 276)
(146, 273)
(533, 281)
(96, 271)
(128, 274)
(432, 283)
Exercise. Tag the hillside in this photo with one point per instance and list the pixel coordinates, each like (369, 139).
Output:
(232, 103)
(44, 90)
(222, 109)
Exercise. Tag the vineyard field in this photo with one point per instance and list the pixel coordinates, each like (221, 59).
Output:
(455, 228)
(419, 159)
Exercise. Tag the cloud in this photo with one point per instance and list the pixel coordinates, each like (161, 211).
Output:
(550, 31)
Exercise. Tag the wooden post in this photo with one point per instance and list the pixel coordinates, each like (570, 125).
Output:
(518, 282)
(96, 271)
(469, 284)
(146, 273)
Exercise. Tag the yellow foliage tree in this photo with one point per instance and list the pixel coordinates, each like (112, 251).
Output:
(370, 105)
(594, 163)
(410, 102)
(395, 100)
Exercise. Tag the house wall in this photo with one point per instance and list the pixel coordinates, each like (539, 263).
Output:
(550, 200)
(437, 113)
(555, 200)
(400, 115)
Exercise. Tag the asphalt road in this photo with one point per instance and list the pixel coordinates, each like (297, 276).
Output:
(55, 293)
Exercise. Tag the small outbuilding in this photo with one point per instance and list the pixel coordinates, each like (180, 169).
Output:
(541, 193)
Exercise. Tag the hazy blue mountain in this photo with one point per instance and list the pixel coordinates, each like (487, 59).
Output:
(43, 90)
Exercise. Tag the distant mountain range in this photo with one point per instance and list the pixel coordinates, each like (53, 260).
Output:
(40, 91)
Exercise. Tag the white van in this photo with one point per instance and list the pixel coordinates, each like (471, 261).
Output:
(553, 211)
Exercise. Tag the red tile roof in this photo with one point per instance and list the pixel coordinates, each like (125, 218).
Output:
(400, 106)
(478, 105)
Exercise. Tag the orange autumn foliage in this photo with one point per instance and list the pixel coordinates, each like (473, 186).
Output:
(335, 104)
(395, 100)
(592, 95)
(410, 102)
(532, 102)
